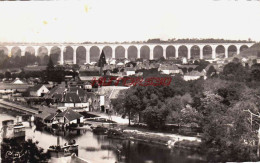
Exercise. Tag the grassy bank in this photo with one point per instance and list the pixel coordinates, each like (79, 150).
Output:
(165, 139)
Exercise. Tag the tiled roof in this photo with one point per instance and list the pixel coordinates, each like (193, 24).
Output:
(35, 88)
(129, 69)
(188, 66)
(57, 96)
(50, 117)
(78, 90)
(13, 86)
(88, 78)
(89, 73)
(56, 90)
(72, 97)
(70, 115)
(194, 73)
(169, 67)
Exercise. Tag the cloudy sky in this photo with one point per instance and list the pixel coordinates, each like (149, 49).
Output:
(128, 20)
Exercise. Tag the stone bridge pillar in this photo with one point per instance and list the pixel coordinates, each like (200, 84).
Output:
(176, 50)
(36, 50)
(9, 50)
(164, 50)
(151, 47)
(189, 50)
(213, 51)
(138, 50)
(62, 48)
(87, 54)
(126, 51)
(238, 48)
(226, 50)
(23, 50)
(113, 51)
(49, 50)
(201, 51)
(100, 48)
(74, 54)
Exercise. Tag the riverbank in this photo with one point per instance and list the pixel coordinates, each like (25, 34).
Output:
(165, 139)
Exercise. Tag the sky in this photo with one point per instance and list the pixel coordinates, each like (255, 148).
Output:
(128, 20)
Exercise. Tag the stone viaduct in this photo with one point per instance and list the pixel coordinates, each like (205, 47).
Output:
(131, 50)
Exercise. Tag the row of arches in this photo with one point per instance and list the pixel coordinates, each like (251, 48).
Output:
(81, 54)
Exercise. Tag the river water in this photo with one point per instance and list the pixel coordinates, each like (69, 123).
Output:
(100, 149)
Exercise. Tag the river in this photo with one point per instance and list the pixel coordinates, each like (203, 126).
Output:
(100, 149)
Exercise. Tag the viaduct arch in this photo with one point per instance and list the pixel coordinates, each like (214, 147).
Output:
(86, 53)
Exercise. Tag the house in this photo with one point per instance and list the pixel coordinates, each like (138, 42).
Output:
(120, 64)
(129, 71)
(87, 85)
(18, 81)
(76, 98)
(169, 69)
(38, 90)
(194, 75)
(107, 94)
(89, 75)
(6, 88)
(56, 92)
(50, 118)
(69, 117)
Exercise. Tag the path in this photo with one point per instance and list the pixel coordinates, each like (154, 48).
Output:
(19, 107)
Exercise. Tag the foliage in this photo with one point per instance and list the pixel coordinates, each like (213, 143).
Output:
(211, 71)
(202, 64)
(30, 152)
(155, 116)
(235, 72)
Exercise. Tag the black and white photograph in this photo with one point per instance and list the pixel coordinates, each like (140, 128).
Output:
(129, 81)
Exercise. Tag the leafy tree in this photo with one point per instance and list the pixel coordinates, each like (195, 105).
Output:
(211, 71)
(29, 150)
(202, 64)
(50, 65)
(235, 72)
(8, 74)
(155, 116)
(236, 60)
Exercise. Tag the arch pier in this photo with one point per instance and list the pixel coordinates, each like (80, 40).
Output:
(156, 51)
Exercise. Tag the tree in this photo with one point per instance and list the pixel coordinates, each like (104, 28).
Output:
(102, 61)
(211, 71)
(50, 65)
(236, 60)
(28, 150)
(155, 116)
(8, 74)
(235, 72)
(202, 64)
(228, 132)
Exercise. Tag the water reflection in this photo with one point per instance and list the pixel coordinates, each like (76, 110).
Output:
(100, 149)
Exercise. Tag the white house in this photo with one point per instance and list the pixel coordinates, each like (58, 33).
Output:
(18, 81)
(68, 117)
(129, 71)
(194, 75)
(72, 99)
(38, 90)
(169, 69)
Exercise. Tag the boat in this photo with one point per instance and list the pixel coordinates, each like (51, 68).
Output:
(63, 150)
(100, 130)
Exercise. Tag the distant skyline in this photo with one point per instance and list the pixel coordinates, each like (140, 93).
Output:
(128, 20)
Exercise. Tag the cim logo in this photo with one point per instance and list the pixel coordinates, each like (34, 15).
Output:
(132, 81)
